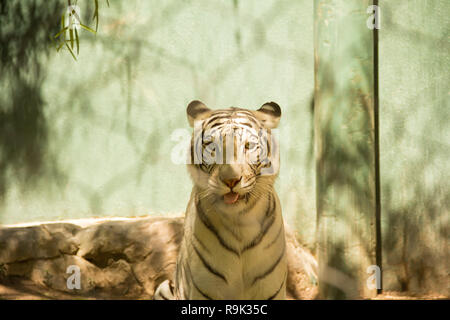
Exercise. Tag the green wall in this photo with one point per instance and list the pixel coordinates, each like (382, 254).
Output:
(345, 147)
(414, 144)
(401, 221)
(110, 115)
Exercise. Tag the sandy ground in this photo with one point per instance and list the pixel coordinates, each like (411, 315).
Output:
(22, 289)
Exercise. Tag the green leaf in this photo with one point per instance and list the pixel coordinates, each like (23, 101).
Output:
(87, 28)
(71, 37)
(96, 15)
(62, 35)
(63, 28)
(78, 41)
(71, 52)
(60, 46)
(59, 33)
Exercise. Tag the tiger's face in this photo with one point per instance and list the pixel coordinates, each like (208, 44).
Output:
(234, 157)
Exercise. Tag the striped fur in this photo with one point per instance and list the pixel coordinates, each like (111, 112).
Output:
(232, 250)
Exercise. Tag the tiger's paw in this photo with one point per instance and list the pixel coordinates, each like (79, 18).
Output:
(164, 291)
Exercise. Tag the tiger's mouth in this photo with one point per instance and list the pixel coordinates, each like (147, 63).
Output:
(232, 197)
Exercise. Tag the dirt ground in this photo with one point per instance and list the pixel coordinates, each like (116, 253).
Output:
(23, 289)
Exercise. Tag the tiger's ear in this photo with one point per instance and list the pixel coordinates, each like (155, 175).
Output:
(269, 114)
(196, 110)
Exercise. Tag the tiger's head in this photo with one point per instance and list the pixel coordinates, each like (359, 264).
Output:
(234, 157)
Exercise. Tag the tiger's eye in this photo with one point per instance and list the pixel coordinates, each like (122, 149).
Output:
(250, 145)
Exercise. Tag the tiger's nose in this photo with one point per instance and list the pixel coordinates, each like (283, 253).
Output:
(232, 182)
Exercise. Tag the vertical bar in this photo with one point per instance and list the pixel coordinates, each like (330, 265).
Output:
(379, 247)
(345, 147)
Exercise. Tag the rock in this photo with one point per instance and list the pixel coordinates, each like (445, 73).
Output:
(52, 273)
(159, 263)
(117, 259)
(37, 242)
(302, 277)
(116, 280)
(150, 245)
(128, 240)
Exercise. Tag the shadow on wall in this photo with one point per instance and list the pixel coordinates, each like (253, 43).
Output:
(25, 34)
(414, 186)
(415, 202)
(95, 133)
(344, 140)
(414, 155)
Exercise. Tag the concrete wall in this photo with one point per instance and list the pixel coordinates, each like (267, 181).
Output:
(109, 116)
(414, 144)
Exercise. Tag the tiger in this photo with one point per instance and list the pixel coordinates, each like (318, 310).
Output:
(233, 246)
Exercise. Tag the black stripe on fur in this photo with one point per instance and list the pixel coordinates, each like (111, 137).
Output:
(272, 267)
(213, 230)
(208, 266)
(279, 289)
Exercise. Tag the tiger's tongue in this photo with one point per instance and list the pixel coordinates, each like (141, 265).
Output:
(231, 197)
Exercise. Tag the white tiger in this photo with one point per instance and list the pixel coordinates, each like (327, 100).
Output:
(233, 245)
